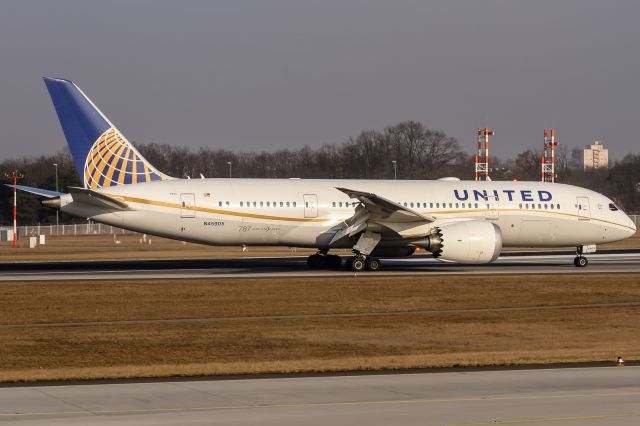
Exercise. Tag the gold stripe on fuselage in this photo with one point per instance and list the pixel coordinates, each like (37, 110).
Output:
(319, 220)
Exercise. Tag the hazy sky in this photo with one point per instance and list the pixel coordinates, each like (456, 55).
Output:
(247, 75)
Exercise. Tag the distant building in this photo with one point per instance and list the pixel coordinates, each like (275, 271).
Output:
(577, 159)
(596, 156)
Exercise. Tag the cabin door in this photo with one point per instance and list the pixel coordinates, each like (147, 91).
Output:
(310, 205)
(187, 205)
(584, 212)
(492, 205)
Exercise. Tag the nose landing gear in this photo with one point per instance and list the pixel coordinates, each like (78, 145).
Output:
(580, 261)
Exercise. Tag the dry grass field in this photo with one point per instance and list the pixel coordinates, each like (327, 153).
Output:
(103, 247)
(84, 330)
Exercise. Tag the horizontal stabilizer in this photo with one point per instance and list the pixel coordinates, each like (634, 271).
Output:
(41, 192)
(88, 196)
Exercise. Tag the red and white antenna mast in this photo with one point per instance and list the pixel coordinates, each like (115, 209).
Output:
(15, 176)
(482, 157)
(549, 156)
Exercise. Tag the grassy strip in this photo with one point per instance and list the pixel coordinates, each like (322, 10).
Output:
(312, 344)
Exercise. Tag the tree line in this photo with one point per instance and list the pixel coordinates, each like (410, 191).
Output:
(416, 151)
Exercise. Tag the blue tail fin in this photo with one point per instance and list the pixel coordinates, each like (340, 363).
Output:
(102, 155)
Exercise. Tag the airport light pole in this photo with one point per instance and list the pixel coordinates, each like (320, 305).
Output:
(395, 169)
(229, 163)
(57, 211)
(15, 176)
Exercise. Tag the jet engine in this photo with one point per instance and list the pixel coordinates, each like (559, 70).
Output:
(472, 242)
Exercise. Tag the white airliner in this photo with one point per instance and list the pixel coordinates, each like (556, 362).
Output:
(457, 221)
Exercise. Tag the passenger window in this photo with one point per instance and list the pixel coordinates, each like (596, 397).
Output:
(450, 205)
(431, 205)
(268, 204)
(281, 204)
(333, 204)
(551, 206)
(476, 205)
(437, 205)
(219, 203)
(456, 205)
(340, 204)
(306, 204)
(558, 206)
(294, 204)
(241, 204)
(261, 204)
(287, 204)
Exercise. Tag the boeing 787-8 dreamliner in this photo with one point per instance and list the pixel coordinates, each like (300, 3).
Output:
(457, 221)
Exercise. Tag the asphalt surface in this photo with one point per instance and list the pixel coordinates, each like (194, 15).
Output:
(627, 261)
(565, 396)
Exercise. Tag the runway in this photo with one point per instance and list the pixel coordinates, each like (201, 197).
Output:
(608, 262)
(568, 396)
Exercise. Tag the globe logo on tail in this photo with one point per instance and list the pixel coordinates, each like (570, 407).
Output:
(112, 160)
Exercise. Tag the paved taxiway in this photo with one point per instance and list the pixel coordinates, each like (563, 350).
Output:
(252, 267)
(569, 396)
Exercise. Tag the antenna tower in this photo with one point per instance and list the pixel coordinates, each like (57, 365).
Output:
(482, 157)
(549, 156)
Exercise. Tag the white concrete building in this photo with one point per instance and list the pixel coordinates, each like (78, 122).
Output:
(596, 156)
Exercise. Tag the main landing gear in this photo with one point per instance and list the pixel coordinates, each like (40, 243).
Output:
(359, 263)
(322, 260)
(580, 261)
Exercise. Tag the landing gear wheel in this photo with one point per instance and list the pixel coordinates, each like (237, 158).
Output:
(333, 261)
(316, 261)
(580, 261)
(358, 263)
(372, 264)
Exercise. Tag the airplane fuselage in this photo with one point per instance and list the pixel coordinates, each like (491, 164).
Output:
(303, 212)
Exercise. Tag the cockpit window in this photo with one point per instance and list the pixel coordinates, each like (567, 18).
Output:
(613, 207)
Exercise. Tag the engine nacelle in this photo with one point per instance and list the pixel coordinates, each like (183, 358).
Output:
(471, 242)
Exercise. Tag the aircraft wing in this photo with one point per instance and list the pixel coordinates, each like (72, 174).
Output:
(387, 216)
(381, 209)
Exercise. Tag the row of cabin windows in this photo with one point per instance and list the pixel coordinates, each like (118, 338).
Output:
(541, 206)
(262, 203)
(418, 205)
(526, 206)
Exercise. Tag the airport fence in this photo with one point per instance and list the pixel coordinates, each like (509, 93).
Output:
(89, 228)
